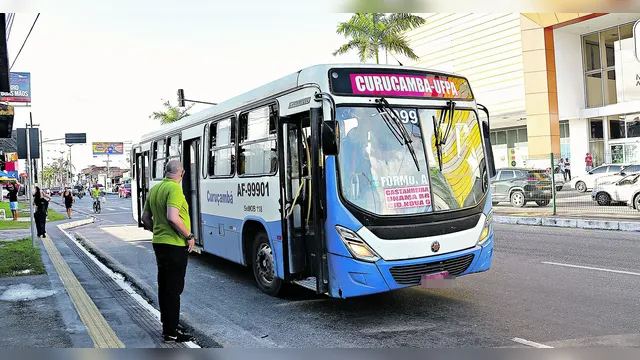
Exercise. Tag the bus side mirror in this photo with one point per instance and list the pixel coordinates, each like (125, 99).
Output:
(486, 134)
(330, 137)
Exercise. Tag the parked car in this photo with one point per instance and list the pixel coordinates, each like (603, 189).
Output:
(627, 170)
(558, 176)
(519, 186)
(582, 183)
(56, 190)
(618, 191)
(124, 191)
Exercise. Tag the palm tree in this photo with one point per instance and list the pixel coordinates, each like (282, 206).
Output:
(171, 113)
(372, 32)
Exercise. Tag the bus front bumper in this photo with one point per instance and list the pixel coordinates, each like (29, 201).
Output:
(351, 277)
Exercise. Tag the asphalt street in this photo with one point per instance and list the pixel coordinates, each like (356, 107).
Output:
(547, 287)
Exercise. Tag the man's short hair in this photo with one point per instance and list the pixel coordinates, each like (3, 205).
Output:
(173, 167)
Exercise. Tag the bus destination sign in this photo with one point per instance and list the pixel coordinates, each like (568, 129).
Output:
(398, 84)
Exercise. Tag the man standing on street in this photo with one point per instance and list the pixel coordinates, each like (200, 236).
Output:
(166, 214)
(13, 200)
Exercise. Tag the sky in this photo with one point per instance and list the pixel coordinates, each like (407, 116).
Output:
(105, 72)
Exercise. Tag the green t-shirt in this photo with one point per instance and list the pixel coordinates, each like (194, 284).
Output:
(167, 194)
(96, 192)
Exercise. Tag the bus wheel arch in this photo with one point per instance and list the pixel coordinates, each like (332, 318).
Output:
(258, 254)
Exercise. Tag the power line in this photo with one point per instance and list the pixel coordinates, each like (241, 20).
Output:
(25, 41)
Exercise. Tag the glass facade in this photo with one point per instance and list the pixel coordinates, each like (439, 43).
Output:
(599, 64)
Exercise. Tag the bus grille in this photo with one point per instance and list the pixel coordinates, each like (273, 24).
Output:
(411, 274)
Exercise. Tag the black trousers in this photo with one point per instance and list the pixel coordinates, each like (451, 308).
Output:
(172, 267)
(40, 218)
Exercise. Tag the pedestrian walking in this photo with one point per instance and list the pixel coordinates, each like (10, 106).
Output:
(588, 161)
(68, 201)
(561, 168)
(567, 168)
(41, 201)
(166, 214)
(12, 194)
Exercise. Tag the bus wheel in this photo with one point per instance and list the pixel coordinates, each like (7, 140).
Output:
(263, 265)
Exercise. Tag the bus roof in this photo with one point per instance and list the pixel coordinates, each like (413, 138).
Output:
(309, 75)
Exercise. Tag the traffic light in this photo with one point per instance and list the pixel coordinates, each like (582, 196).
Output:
(181, 97)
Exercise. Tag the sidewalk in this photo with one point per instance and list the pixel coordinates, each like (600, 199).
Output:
(567, 217)
(36, 310)
(76, 302)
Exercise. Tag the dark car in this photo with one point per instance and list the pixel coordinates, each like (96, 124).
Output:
(78, 190)
(519, 186)
(56, 190)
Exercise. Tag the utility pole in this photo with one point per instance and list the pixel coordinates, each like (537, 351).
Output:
(41, 161)
(30, 178)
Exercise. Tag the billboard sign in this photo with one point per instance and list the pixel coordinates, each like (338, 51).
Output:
(11, 157)
(20, 86)
(107, 148)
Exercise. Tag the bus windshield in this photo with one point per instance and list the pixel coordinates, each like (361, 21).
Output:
(379, 175)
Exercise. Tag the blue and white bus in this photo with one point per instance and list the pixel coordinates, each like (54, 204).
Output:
(346, 179)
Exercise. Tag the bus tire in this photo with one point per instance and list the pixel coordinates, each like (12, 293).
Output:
(263, 265)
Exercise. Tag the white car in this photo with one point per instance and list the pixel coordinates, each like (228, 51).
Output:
(582, 183)
(620, 191)
(627, 170)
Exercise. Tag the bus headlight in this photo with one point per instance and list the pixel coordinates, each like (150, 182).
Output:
(356, 246)
(484, 235)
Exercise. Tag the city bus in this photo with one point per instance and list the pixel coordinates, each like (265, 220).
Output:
(346, 179)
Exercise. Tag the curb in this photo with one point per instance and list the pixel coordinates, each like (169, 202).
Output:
(628, 226)
(145, 293)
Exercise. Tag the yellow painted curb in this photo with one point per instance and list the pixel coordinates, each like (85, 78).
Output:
(98, 328)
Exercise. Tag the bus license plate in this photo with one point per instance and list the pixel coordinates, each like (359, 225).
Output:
(436, 280)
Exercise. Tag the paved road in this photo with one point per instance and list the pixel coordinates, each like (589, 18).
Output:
(115, 211)
(559, 287)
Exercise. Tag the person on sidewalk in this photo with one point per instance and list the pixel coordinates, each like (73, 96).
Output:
(68, 201)
(166, 214)
(567, 168)
(13, 200)
(41, 201)
(588, 161)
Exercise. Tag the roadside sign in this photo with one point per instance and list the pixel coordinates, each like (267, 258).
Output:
(108, 148)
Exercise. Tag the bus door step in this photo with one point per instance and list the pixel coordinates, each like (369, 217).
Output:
(308, 283)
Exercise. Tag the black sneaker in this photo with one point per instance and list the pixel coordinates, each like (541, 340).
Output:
(179, 336)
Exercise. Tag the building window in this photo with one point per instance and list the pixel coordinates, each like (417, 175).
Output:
(599, 64)
(597, 131)
(633, 126)
(222, 151)
(565, 146)
(617, 129)
(257, 153)
(511, 137)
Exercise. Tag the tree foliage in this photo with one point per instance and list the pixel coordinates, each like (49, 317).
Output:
(370, 33)
(171, 113)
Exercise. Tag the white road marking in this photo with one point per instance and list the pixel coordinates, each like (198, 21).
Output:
(531, 343)
(592, 268)
(115, 213)
(124, 208)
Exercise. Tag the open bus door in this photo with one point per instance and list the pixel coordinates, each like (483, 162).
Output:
(302, 183)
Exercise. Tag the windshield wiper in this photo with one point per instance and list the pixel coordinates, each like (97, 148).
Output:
(441, 138)
(397, 129)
